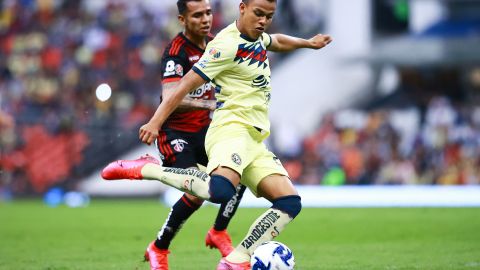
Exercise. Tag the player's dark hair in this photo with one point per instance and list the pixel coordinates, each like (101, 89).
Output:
(246, 1)
(182, 5)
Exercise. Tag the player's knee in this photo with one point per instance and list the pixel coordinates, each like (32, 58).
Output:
(221, 189)
(292, 205)
(193, 199)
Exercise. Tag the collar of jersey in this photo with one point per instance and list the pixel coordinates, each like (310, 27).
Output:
(244, 36)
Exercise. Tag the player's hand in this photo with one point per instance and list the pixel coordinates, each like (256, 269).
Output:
(319, 41)
(148, 133)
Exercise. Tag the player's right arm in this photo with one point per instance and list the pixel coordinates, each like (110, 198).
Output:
(187, 103)
(149, 132)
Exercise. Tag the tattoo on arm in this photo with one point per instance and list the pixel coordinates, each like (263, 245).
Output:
(188, 103)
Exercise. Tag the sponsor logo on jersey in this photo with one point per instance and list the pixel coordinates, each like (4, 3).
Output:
(200, 91)
(260, 82)
(194, 58)
(254, 53)
(236, 159)
(178, 144)
(179, 70)
(169, 68)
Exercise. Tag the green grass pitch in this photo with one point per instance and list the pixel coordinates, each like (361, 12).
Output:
(112, 234)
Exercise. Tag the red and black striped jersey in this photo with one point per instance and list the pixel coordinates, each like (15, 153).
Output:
(178, 58)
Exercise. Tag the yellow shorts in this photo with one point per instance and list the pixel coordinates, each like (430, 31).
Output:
(241, 148)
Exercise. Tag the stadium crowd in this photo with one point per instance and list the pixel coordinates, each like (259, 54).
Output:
(53, 130)
(389, 146)
(53, 55)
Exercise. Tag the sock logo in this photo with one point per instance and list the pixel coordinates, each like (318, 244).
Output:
(230, 207)
(187, 185)
(190, 172)
(275, 232)
(261, 228)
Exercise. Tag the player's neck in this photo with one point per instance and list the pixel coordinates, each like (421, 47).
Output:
(200, 41)
(242, 30)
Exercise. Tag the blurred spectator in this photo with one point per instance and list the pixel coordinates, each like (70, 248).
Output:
(445, 149)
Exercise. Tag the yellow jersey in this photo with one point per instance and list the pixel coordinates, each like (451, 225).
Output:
(239, 70)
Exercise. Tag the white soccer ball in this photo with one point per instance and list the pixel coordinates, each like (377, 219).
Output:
(272, 255)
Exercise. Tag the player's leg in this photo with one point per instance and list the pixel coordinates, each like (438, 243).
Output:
(229, 150)
(177, 149)
(286, 205)
(174, 150)
(217, 188)
(192, 181)
(217, 236)
(267, 178)
(179, 213)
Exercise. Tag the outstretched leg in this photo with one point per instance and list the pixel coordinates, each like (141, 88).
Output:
(216, 188)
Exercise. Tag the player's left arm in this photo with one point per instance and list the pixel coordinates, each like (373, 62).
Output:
(286, 43)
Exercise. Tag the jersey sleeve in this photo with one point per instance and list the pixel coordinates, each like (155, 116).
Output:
(218, 56)
(267, 39)
(172, 68)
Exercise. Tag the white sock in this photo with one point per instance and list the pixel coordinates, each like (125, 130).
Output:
(265, 228)
(189, 180)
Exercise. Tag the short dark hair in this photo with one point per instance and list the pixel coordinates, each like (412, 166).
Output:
(182, 5)
(246, 1)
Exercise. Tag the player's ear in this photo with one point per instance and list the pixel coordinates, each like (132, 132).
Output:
(181, 19)
(242, 7)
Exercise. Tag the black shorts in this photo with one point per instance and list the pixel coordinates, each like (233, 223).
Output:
(182, 149)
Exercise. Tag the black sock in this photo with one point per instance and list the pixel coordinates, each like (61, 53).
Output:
(227, 210)
(179, 213)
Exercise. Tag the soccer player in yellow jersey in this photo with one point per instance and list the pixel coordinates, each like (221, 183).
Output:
(236, 62)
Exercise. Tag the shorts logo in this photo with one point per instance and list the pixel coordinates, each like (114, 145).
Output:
(236, 159)
(178, 144)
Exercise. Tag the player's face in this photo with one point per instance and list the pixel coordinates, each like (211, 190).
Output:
(197, 20)
(256, 16)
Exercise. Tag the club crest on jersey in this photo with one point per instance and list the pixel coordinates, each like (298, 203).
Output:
(254, 53)
(236, 159)
(178, 145)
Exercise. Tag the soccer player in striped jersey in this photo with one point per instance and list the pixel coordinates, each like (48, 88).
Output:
(236, 63)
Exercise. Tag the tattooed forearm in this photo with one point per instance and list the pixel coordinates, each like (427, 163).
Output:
(188, 103)
(197, 104)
